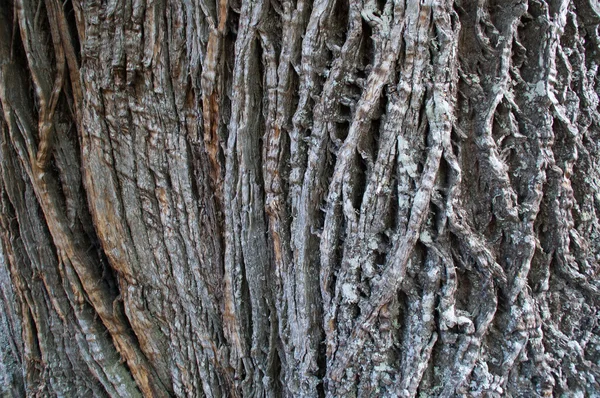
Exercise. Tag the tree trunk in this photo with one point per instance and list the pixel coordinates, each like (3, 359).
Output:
(270, 198)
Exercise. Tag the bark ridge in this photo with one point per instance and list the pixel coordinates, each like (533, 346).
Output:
(299, 198)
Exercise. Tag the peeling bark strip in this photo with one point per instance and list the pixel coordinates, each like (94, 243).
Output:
(233, 198)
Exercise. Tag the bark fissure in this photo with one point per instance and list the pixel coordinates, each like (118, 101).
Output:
(299, 198)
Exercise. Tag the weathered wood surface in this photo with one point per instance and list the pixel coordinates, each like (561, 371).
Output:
(299, 198)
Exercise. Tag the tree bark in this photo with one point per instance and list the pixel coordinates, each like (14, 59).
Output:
(270, 198)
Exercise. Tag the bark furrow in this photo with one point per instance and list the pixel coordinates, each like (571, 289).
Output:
(299, 198)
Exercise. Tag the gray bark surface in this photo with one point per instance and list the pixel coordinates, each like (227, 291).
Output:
(236, 198)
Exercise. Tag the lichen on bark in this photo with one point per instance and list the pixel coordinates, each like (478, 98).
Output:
(299, 198)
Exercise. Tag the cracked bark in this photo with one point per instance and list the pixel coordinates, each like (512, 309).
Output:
(299, 198)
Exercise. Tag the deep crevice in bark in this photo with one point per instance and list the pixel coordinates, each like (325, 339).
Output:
(300, 198)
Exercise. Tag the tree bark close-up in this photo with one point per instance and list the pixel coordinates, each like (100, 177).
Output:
(299, 198)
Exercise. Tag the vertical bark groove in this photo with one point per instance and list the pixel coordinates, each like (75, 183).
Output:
(299, 198)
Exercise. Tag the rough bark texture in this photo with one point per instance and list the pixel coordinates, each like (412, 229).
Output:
(235, 198)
